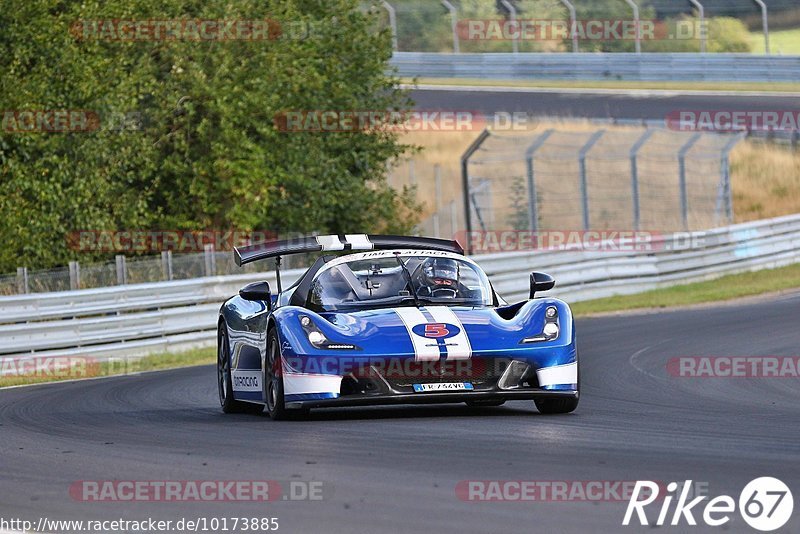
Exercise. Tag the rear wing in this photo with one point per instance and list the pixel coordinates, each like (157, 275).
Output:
(332, 243)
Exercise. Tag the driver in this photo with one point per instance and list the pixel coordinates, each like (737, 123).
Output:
(439, 278)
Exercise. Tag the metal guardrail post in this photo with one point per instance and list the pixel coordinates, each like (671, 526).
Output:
(638, 41)
(703, 34)
(166, 264)
(476, 144)
(437, 182)
(122, 270)
(764, 24)
(453, 24)
(23, 287)
(682, 178)
(392, 22)
(635, 176)
(532, 197)
(573, 21)
(210, 260)
(512, 13)
(74, 275)
(724, 195)
(584, 183)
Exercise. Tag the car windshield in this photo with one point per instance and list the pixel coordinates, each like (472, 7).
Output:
(370, 282)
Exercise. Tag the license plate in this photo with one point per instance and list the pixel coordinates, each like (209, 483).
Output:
(443, 386)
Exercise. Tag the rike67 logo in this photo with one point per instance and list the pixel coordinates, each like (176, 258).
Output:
(765, 504)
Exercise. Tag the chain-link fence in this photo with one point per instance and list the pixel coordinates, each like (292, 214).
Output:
(598, 179)
(135, 270)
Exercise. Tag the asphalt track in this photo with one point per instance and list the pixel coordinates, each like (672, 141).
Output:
(395, 469)
(628, 105)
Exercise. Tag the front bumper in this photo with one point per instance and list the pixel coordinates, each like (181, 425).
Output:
(431, 397)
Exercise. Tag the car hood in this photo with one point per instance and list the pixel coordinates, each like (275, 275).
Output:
(429, 331)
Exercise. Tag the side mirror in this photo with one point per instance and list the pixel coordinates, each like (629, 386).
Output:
(541, 282)
(257, 291)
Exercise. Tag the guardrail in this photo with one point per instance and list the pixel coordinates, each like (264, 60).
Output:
(146, 318)
(584, 66)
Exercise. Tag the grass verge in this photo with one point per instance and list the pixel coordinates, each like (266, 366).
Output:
(722, 289)
(777, 87)
(782, 42)
(55, 369)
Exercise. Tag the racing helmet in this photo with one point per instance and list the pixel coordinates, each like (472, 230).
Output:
(441, 276)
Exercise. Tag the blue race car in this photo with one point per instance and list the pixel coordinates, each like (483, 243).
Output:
(395, 320)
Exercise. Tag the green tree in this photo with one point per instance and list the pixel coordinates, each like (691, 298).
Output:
(209, 153)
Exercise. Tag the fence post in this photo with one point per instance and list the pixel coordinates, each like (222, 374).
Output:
(573, 21)
(635, 176)
(532, 197)
(682, 178)
(476, 144)
(166, 264)
(437, 180)
(453, 218)
(453, 24)
(703, 34)
(764, 24)
(638, 41)
(724, 194)
(584, 183)
(210, 259)
(392, 22)
(512, 13)
(122, 271)
(22, 281)
(74, 275)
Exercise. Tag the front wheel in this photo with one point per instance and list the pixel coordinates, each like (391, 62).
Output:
(224, 381)
(273, 382)
(554, 406)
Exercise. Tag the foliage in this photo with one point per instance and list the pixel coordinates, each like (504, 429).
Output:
(203, 150)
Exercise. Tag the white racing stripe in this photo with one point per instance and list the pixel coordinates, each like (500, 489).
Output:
(458, 346)
(558, 374)
(425, 349)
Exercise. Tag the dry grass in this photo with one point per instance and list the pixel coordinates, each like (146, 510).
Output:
(765, 177)
(766, 181)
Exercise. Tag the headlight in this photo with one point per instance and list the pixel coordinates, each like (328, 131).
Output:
(318, 339)
(550, 330)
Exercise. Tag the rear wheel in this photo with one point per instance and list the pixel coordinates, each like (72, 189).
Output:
(554, 406)
(273, 383)
(224, 380)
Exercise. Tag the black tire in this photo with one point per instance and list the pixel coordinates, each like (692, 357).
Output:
(555, 406)
(224, 381)
(273, 383)
(491, 402)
